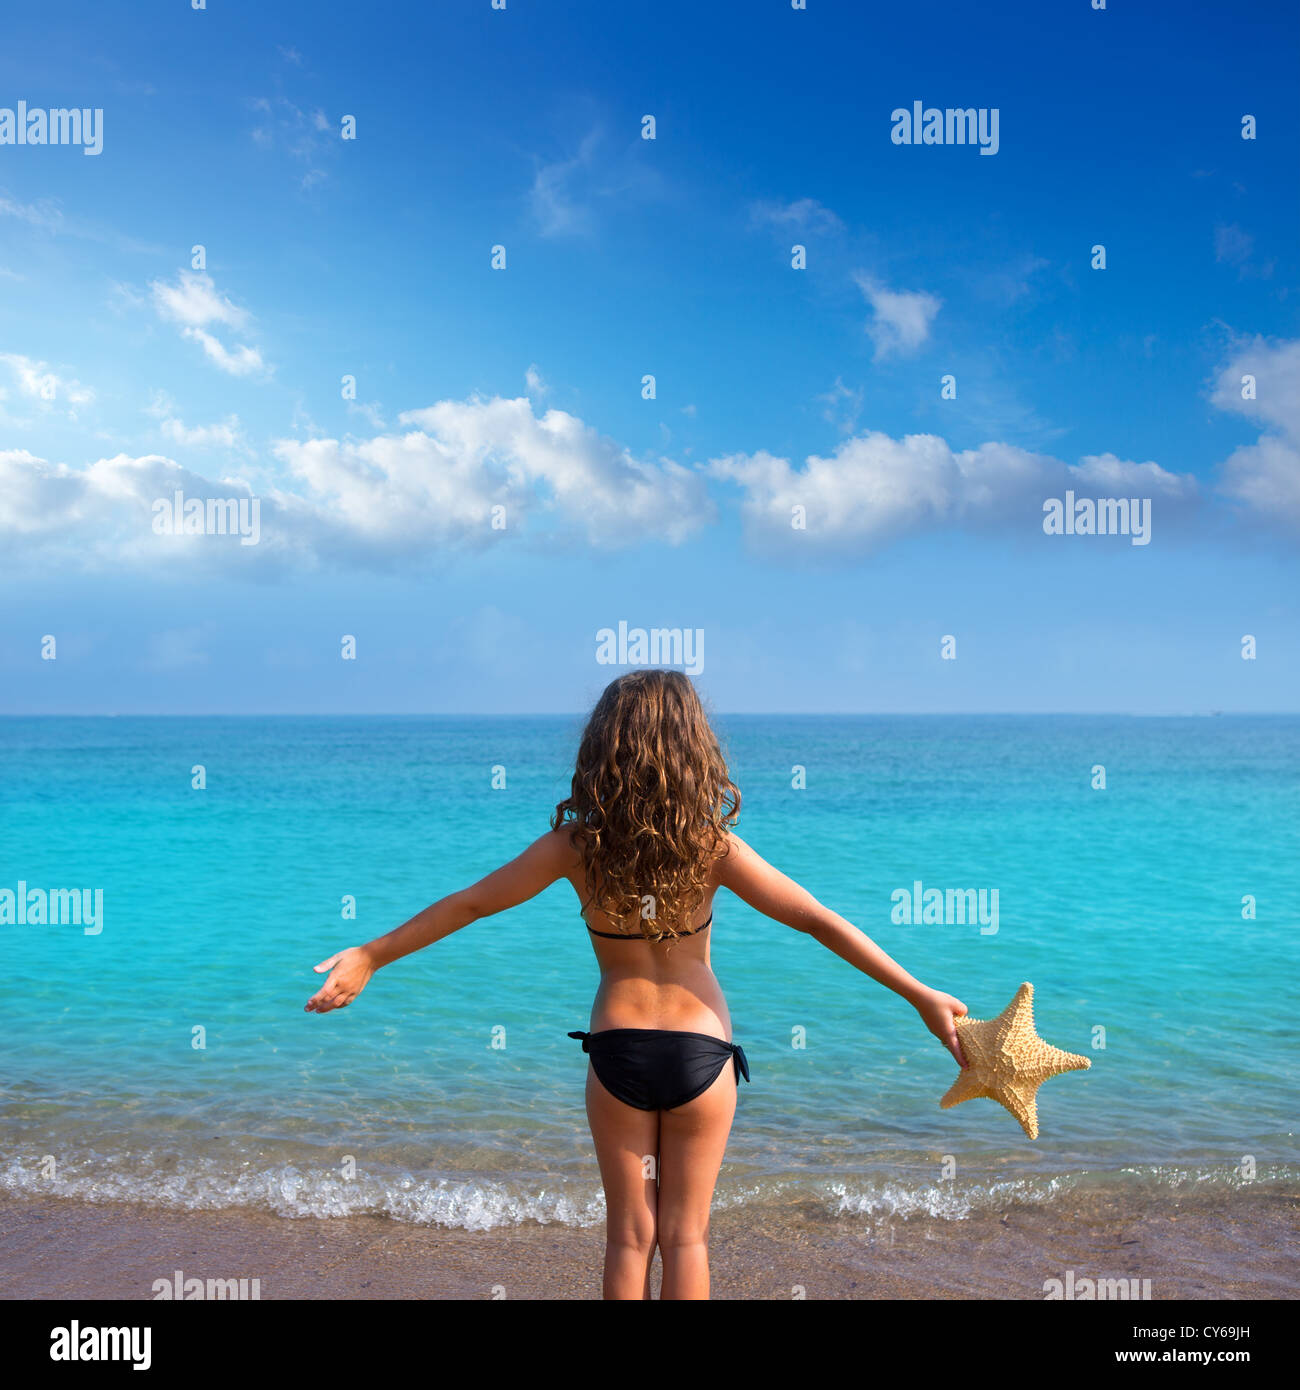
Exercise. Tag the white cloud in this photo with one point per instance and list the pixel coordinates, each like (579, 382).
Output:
(38, 382)
(901, 318)
(803, 215)
(1232, 244)
(842, 406)
(305, 135)
(580, 475)
(193, 303)
(569, 197)
(243, 361)
(875, 489)
(222, 436)
(1276, 369)
(1235, 246)
(1265, 475)
(554, 202)
(124, 298)
(46, 214)
(402, 498)
(374, 502)
(370, 413)
(534, 383)
(1010, 282)
(96, 514)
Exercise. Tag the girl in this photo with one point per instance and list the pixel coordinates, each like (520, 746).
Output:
(645, 839)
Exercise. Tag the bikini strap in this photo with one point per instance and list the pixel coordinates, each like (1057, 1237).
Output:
(629, 936)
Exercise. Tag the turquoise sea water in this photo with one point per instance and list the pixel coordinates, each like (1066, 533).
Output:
(1123, 906)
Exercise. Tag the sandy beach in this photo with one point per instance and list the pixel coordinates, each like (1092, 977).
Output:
(1242, 1247)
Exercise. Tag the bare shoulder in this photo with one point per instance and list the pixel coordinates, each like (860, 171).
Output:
(558, 848)
(734, 859)
(764, 887)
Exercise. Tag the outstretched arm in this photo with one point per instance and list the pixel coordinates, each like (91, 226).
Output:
(769, 891)
(545, 860)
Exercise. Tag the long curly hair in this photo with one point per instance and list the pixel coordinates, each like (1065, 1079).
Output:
(651, 801)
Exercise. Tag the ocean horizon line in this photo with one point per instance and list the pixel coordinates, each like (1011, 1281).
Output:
(721, 713)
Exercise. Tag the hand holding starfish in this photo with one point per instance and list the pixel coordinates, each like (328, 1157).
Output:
(1009, 1061)
(940, 1013)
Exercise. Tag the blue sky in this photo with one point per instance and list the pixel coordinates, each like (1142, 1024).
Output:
(125, 372)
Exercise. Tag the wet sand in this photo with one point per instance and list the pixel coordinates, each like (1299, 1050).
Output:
(1242, 1246)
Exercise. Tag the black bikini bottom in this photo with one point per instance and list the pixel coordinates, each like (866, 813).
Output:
(656, 1068)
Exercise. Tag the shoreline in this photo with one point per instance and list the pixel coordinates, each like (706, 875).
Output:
(1244, 1247)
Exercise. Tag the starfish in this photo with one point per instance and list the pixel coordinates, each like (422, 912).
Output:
(1007, 1061)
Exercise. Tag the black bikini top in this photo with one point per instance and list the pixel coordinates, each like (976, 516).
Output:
(630, 936)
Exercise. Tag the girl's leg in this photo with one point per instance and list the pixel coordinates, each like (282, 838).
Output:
(692, 1140)
(627, 1145)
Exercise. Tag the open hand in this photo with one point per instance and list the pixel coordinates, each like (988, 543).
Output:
(940, 1012)
(350, 972)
